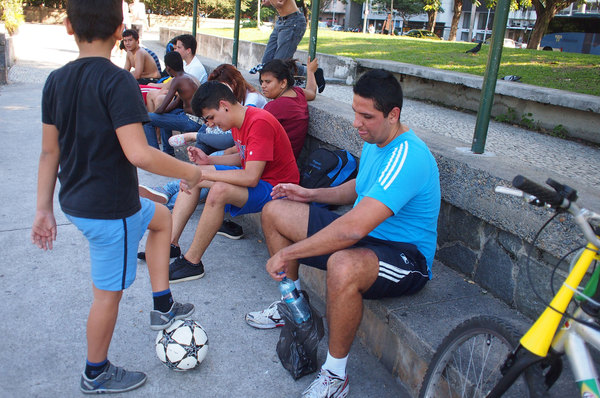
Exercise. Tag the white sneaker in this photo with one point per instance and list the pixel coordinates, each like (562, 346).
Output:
(327, 385)
(265, 319)
(177, 140)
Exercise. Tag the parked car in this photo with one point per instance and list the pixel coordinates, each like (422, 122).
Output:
(422, 34)
(339, 28)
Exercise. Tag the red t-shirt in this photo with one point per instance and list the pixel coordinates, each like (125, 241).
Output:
(292, 113)
(262, 138)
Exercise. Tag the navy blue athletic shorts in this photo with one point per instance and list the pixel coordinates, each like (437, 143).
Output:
(402, 267)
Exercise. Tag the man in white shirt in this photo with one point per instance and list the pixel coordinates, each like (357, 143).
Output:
(186, 46)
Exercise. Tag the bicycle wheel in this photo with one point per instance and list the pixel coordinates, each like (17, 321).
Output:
(467, 363)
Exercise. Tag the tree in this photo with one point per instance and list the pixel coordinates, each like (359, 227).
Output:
(457, 11)
(545, 10)
(431, 7)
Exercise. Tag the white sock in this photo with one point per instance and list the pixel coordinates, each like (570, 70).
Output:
(336, 366)
(297, 283)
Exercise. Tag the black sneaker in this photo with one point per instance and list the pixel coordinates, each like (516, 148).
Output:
(175, 252)
(182, 270)
(231, 230)
(256, 69)
(320, 79)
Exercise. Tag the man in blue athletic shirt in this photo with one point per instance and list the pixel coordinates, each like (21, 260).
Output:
(383, 247)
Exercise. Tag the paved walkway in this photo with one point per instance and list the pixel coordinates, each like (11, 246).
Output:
(45, 296)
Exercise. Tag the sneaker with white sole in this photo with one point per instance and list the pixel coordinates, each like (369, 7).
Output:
(265, 319)
(113, 380)
(155, 194)
(231, 230)
(177, 140)
(162, 320)
(327, 385)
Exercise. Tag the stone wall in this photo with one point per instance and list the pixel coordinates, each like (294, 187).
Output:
(6, 56)
(573, 114)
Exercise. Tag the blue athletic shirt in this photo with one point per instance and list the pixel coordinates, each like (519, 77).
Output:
(404, 176)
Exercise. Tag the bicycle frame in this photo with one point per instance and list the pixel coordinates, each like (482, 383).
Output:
(569, 340)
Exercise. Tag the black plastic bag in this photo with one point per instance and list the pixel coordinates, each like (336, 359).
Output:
(298, 344)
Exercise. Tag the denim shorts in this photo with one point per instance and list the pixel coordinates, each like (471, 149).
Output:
(114, 245)
(402, 267)
(258, 196)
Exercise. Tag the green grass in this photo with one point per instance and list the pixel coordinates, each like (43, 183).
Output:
(565, 71)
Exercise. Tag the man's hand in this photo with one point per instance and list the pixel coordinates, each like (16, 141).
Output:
(276, 267)
(197, 155)
(43, 231)
(291, 192)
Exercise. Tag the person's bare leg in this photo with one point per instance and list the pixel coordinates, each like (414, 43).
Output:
(184, 207)
(158, 249)
(101, 323)
(350, 273)
(212, 216)
(285, 222)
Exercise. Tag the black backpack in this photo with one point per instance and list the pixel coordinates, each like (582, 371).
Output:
(325, 168)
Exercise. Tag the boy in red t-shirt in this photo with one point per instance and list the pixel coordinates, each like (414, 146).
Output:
(240, 183)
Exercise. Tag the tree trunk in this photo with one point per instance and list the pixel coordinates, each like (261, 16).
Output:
(544, 15)
(431, 16)
(455, 18)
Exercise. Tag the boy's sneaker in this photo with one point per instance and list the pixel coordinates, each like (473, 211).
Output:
(155, 194)
(177, 140)
(265, 319)
(327, 385)
(256, 69)
(162, 320)
(182, 270)
(175, 252)
(113, 380)
(231, 230)
(320, 79)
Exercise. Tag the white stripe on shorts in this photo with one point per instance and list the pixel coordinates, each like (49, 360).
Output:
(393, 273)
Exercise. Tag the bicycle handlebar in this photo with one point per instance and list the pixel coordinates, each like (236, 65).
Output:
(544, 194)
(540, 195)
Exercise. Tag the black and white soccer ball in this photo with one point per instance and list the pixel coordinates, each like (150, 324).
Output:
(183, 345)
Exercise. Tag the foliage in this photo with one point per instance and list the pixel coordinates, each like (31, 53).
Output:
(560, 70)
(12, 15)
(46, 3)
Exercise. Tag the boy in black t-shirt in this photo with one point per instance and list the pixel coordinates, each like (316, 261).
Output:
(92, 115)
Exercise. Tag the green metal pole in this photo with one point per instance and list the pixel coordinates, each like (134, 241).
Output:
(195, 18)
(491, 76)
(314, 25)
(236, 33)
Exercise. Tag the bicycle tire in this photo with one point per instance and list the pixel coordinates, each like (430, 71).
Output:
(457, 369)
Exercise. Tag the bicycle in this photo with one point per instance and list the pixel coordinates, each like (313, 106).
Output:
(485, 357)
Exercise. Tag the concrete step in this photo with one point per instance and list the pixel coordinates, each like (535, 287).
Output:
(403, 333)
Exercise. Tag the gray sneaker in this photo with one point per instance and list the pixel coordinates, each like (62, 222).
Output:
(327, 385)
(162, 320)
(113, 380)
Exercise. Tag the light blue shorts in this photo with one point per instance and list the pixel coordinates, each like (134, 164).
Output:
(258, 196)
(114, 245)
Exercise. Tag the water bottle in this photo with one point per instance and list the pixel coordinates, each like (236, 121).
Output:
(294, 301)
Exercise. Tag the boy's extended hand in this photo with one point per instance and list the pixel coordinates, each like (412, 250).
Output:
(185, 185)
(43, 231)
(197, 155)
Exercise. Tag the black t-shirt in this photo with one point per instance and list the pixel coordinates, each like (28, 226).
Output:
(87, 100)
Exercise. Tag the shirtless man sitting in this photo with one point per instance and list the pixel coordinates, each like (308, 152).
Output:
(144, 67)
(175, 112)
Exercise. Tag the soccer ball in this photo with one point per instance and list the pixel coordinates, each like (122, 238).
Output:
(183, 345)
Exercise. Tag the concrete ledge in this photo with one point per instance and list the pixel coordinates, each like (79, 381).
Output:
(575, 115)
(549, 108)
